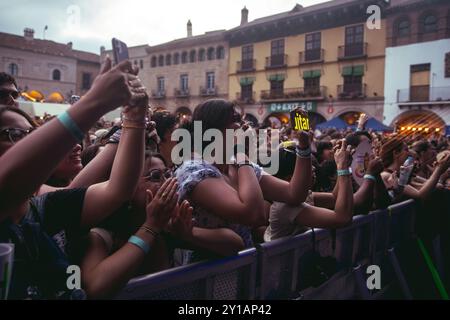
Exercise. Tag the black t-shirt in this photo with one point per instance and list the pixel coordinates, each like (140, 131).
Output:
(45, 243)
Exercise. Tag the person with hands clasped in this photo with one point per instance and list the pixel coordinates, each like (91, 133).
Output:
(104, 272)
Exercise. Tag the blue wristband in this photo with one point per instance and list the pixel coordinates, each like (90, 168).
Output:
(140, 243)
(370, 177)
(345, 172)
(71, 126)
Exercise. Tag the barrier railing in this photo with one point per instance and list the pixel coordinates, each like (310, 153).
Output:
(318, 264)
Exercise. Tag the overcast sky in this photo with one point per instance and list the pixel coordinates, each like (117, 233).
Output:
(90, 24)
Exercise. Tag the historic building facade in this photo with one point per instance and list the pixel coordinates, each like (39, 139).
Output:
(46, 67)
(323, 57)
(417, 77)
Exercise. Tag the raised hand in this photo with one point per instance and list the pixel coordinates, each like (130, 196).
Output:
(444, 163)
(160, 207)
(363, 118)
(114, 86)
(181, 224)
(342, 155)
(375, 166)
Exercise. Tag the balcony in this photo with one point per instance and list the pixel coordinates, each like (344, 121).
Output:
(352, 51)
(352, 91)
(159, 94)
(242, 98)
(276, 61)
(246, 66)
(182, 93)
(208, 92)
(296, 94)
(423, 94)
(311, 56)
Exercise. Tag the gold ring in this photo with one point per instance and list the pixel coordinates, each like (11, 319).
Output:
(164, 195)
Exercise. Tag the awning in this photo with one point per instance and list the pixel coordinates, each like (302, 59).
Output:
(276, 77)
(353, 70)
(311, 74)
(246, 81)
(358, 70)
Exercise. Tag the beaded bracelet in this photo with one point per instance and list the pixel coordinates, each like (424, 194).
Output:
(303, 153)
(345, 172)
(370, 177)
(154, 233)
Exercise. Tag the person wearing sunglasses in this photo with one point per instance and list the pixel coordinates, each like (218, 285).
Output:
(8, 90)
(107, 248)
(63, 216)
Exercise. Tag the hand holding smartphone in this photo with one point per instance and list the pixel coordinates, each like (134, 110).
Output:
(120, 50)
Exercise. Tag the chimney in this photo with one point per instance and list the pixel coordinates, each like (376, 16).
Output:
(69, 44)
(189, 28)
(28, 33)
(244, 16)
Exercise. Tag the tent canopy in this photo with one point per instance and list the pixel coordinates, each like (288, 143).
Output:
(337, 123)
(376, 125)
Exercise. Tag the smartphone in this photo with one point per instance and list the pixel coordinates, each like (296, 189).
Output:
(120, 50)
(299, 121)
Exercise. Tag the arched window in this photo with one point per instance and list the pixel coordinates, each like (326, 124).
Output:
(13, 69)
(220, 52)
(176, 58)
(429, 23)
(403, 28)
(192, 56)
(161, 60)
(211, 53)
(168, 59)
(153, 62)
(56, 75)
(184, 57)
(201, 55)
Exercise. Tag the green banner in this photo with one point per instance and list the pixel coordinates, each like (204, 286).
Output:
(289, 106)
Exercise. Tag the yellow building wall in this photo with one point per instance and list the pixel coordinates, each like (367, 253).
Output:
(331, 67)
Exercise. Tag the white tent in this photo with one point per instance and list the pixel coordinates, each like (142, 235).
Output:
(39, 109)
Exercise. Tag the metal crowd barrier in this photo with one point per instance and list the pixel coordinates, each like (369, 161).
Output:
(318, 264)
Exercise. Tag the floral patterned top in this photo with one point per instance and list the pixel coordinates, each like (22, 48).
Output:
(191, 173)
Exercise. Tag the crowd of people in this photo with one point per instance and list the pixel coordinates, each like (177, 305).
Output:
(109, 198)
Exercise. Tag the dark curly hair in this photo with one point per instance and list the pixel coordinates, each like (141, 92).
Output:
(7, 79)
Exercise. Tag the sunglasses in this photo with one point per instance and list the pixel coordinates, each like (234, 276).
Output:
(236, 118)
(157, 175)
(6, 93)
(15, 134)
